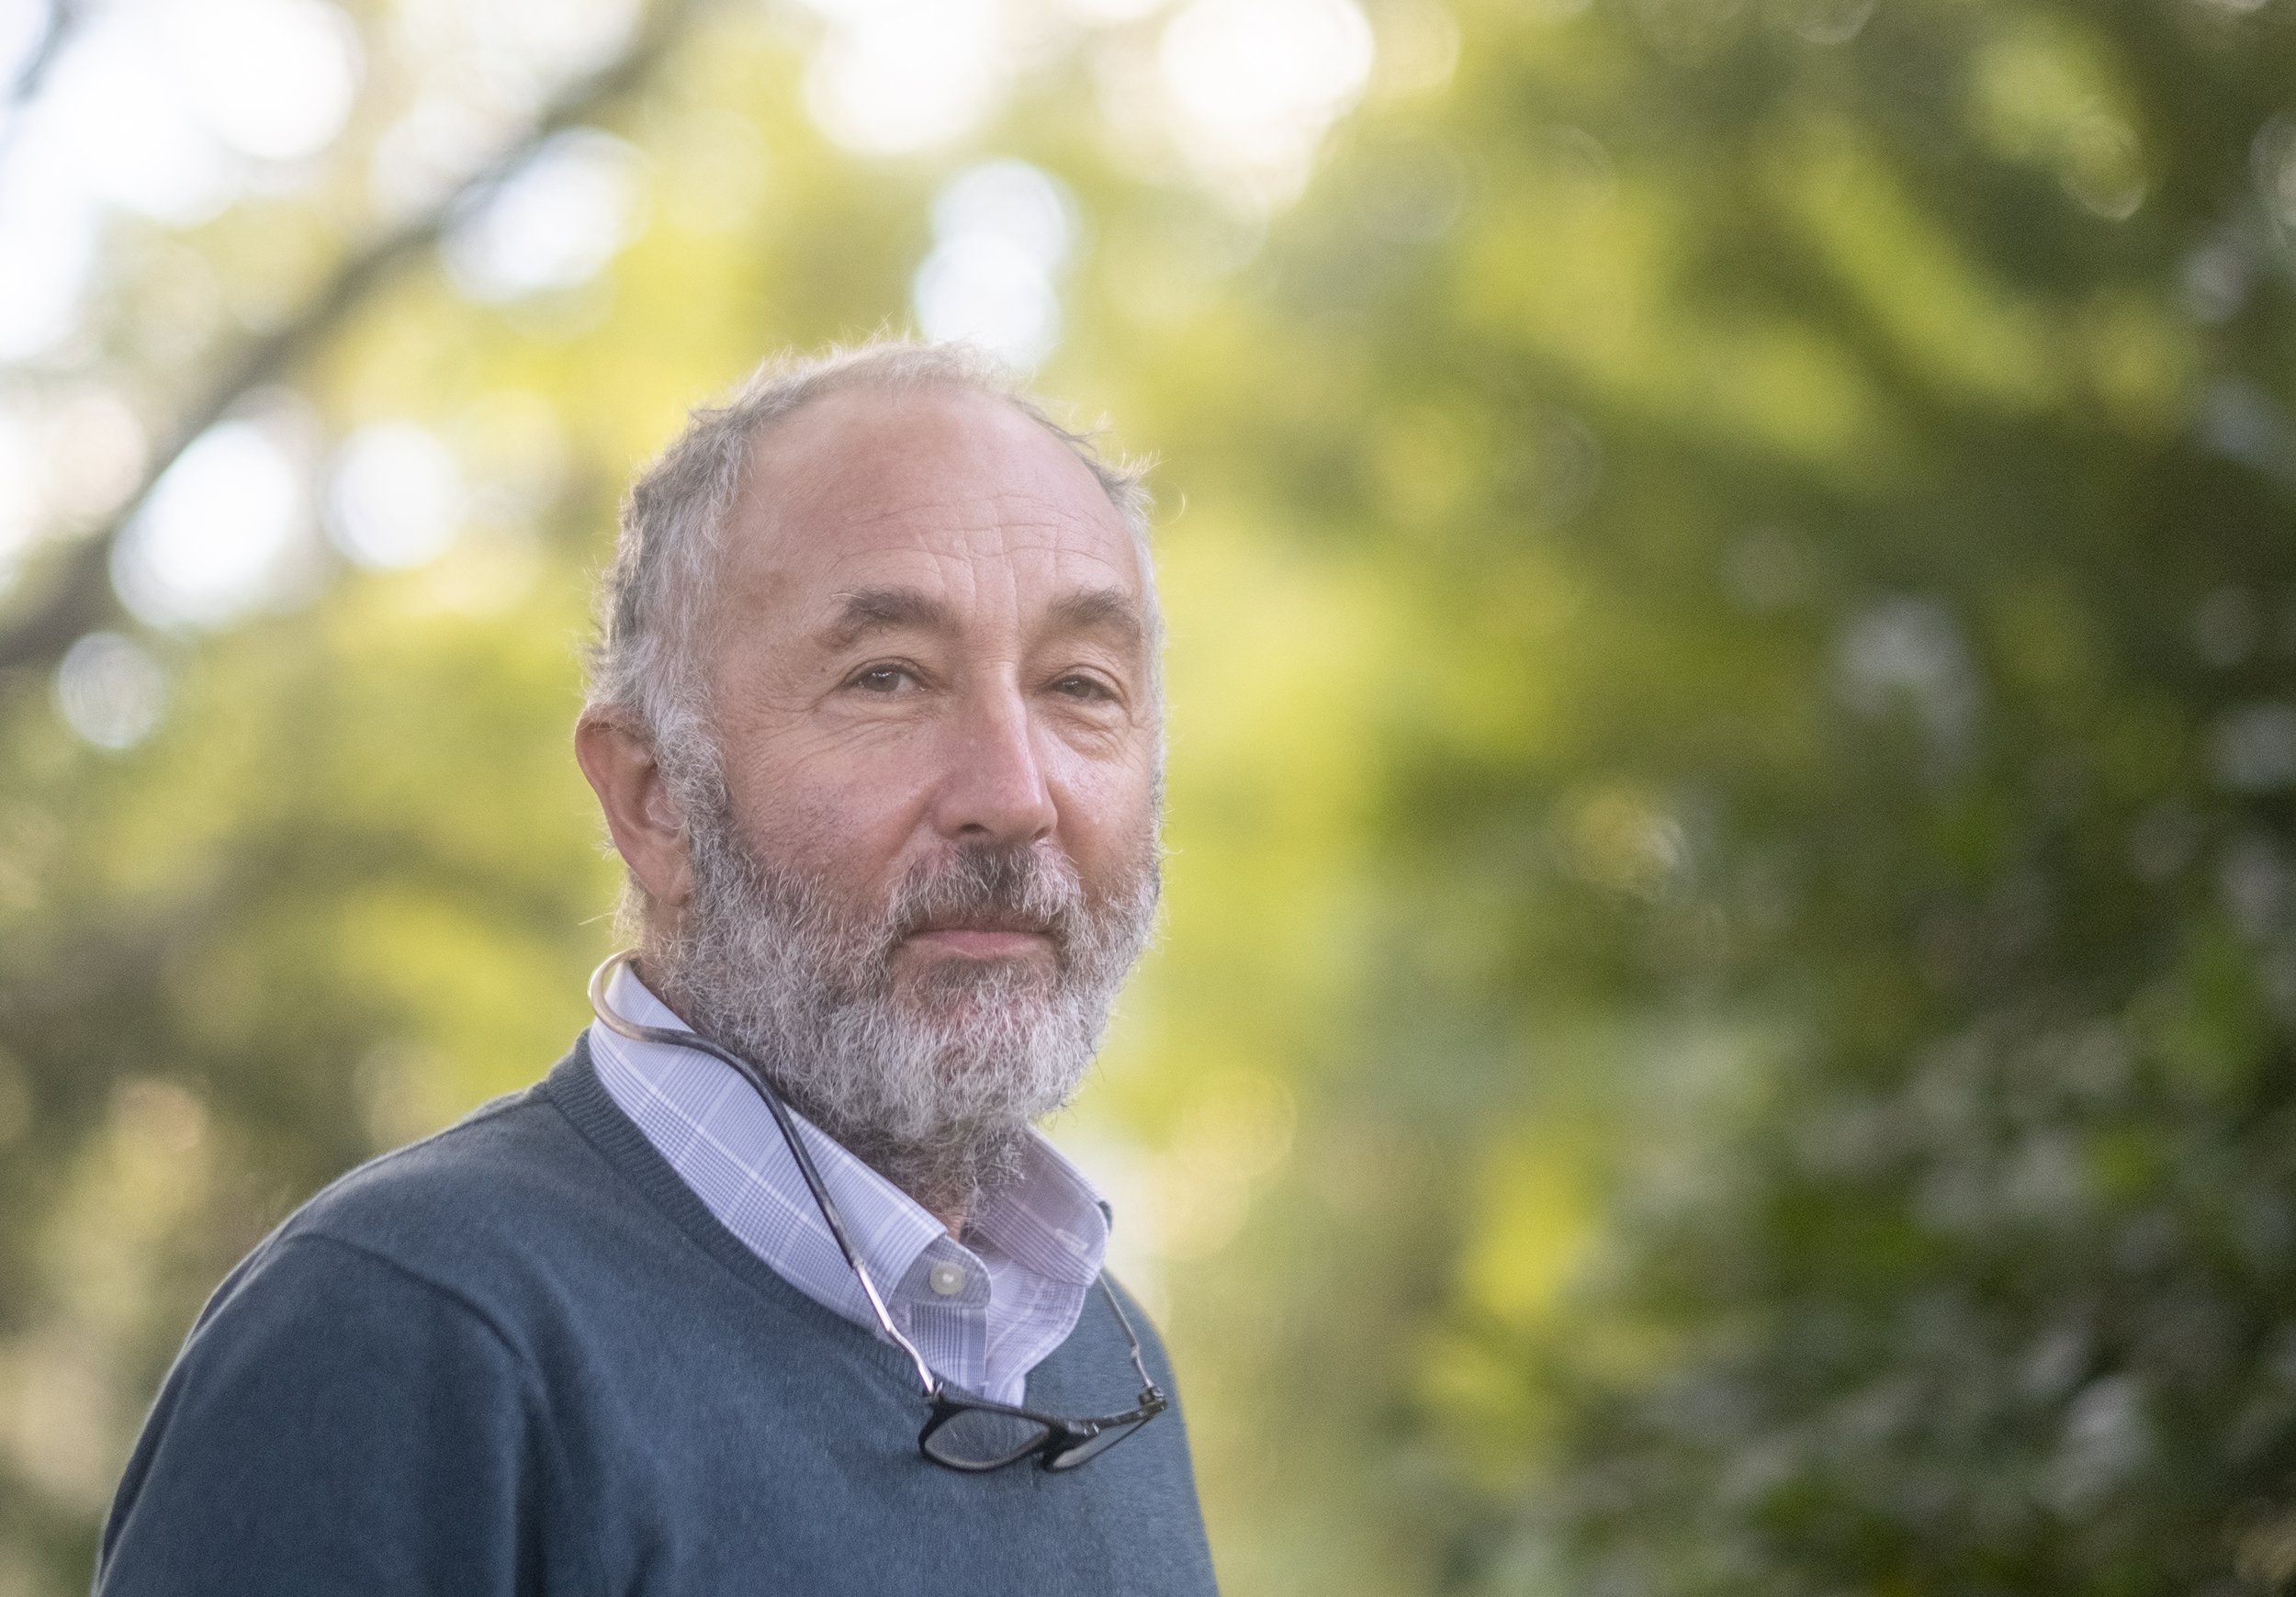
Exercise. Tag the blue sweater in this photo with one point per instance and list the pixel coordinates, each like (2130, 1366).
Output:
(522, 1357)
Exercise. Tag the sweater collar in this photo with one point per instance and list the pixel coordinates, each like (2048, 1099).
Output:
(1010, 1289)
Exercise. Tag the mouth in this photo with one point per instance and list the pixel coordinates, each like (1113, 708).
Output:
(984, 936)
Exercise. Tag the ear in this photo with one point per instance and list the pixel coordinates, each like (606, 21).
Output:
(618, 759)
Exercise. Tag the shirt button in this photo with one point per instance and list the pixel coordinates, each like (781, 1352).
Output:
(946, 1279)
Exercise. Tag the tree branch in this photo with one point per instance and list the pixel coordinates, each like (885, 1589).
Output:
(62, 15)
(79, 595)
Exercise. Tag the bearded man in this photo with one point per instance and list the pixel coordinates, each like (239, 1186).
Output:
(771, 1284)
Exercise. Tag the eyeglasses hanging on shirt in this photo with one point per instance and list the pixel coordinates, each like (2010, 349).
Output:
(961, 1432)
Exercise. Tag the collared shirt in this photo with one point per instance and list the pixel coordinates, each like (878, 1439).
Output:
(983, 1314)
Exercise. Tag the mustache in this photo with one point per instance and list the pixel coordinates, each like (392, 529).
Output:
(991, 889)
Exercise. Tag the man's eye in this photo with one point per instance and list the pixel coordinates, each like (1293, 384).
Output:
(1081, 687)
(882, 679)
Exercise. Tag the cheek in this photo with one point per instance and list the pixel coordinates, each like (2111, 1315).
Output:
(821, 806)
(1107, 809)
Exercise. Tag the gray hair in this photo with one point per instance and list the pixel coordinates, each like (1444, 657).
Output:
(651, 598)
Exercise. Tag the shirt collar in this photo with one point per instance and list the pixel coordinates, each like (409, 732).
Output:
(1050, 1220)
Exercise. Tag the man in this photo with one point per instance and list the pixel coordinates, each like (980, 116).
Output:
(875, 727)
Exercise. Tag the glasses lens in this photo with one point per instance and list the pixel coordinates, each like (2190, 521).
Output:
(982, 1439)
(1092, 1447)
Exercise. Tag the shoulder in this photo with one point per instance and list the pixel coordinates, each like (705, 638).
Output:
(485, 1212)
(505, 1160)
(347, 1415)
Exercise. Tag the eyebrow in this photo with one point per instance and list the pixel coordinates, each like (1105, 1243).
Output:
(1101, 609)
(866, 612)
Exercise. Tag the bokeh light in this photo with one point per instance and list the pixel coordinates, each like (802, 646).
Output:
(47, 249)
(110, 691)
(514, 49)
(1002, 230)
(92, 452)
(1013, 201)
(1111, 11)
(272, 79)
(894, 76)
(1259, 82)
(215, 536)
(396, 496)
(118, 125)
(553, 222)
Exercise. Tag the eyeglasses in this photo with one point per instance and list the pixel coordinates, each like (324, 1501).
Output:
(963, 1431)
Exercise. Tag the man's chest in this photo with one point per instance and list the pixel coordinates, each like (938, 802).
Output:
(740, 1463)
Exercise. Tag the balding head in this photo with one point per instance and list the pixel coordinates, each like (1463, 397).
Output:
(675, 522)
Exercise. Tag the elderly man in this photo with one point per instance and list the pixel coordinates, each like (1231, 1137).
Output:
(771, 1284)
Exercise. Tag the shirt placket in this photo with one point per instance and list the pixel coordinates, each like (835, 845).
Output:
(943, 1299)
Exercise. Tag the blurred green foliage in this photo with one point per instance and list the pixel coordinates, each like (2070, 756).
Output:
(1725, 1019)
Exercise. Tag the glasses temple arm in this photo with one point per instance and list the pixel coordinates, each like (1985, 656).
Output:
(1140, 1363)
(603, 975)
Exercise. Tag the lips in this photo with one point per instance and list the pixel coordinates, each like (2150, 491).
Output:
(965, 943)
(994, 936)
(986, 921)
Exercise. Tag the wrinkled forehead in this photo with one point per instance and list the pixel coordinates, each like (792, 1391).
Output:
(952, 492)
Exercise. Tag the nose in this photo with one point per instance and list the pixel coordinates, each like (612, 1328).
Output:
(994, 791)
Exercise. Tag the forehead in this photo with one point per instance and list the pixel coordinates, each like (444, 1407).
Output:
(953, 492)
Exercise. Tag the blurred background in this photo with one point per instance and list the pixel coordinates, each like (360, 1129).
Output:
(1725, 1024)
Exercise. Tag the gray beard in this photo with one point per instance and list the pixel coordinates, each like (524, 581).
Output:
(934, 1080)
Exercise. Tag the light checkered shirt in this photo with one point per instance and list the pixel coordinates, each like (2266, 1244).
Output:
(983, 1315)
